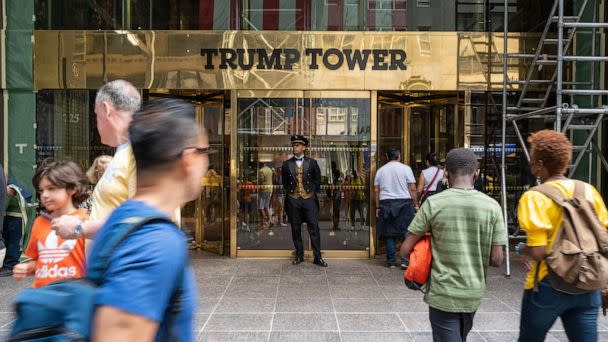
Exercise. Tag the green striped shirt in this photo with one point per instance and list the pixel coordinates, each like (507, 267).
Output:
(464, 224)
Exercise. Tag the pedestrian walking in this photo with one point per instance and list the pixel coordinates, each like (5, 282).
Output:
(148, 291)
(264, 193)
(467, 235)
(301, 181)
(115, 103)
(15, 222)
(430, 177)
(62, 187)
(540, 217)
(396, 202)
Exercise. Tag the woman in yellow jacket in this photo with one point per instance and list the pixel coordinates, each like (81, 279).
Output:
(540, 218)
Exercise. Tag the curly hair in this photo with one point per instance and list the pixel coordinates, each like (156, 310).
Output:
(553, 148)
(92, 172)
(65, 175)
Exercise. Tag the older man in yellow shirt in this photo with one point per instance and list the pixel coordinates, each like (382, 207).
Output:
(115, 103)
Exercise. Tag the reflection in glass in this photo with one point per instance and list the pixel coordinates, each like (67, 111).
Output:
(66, 128)
(312, 15)
(339, 135)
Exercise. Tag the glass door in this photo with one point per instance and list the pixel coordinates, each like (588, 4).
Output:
(340, 142)
(338, 127)
(205, 220)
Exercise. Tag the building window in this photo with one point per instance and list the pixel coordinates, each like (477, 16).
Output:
(424, 3)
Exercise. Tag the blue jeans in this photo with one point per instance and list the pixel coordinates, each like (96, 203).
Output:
(539, 310)
(391, 249)
(12, 232)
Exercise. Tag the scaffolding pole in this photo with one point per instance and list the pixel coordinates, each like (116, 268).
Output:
(503, 155)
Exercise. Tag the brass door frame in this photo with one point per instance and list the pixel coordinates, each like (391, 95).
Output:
(251, 253)
(200, 229)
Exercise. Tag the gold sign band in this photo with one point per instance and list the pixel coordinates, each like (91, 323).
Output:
(273, 60)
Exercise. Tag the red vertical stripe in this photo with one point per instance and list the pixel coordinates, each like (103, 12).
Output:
(371, 16)
(335, 15)
(205, 14)
(398, 17)
(271, 15)
(234, 14)
(303, 15)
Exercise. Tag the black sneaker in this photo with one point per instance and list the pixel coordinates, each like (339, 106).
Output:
(6, 272)
(389, 265)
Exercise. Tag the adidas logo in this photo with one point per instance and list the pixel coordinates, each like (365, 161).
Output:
(56, 272)
(50, 252)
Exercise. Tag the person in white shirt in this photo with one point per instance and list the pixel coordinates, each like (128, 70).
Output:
(396, 202)
(430, 177)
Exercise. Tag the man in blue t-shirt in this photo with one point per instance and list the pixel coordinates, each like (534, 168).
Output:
(148, 291)
(146, 270)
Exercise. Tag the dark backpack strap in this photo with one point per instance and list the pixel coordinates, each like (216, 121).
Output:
(98, 266)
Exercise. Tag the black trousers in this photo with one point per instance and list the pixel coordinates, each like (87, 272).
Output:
(450, 326)
(304, 211)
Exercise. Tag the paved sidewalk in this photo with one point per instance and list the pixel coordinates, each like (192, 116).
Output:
(351, 300)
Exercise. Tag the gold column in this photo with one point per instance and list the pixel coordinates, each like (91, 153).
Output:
(372, 174)
(467, 118)
(233, 172)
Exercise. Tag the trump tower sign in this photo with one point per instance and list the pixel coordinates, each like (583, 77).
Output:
(265, 60)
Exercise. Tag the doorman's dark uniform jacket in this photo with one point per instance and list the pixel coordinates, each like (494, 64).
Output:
(311, 177)
(301, 203)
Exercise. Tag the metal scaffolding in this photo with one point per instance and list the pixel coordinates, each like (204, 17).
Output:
(565, 114)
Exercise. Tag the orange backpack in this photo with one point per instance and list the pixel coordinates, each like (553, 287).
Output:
(416, 274)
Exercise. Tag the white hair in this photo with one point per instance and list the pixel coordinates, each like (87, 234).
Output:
(121, 94)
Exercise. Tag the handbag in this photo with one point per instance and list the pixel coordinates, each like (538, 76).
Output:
(428, 188)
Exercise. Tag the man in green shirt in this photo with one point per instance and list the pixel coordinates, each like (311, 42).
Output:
(467, 236)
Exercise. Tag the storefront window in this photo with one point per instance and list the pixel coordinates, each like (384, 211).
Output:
(66, 127)
(301, 15)
(339, 134)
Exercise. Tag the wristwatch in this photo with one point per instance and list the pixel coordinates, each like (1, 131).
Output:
(518, 248)
(78, 231)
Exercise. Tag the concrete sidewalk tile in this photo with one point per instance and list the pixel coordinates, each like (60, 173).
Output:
(362, 305)
(207, 305)
(205, 291)
(355, 292)
(245, 305)
(313, 304)
(416, 321)
(370, 322)
(500, 336)
(303, 280)
(312, 291)
(239, 322)
(494, 305)
(376, 337)
(6, 319)
(251, 291)
(350, 280)
(409, 305)
(489, 321)
(305, 268)
(400, 292)
(304, 322)
(246, 336)
(255, 280)
(199, 321)
(304, 336)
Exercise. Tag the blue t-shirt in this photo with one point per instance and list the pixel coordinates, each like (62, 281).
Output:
(144, 271)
